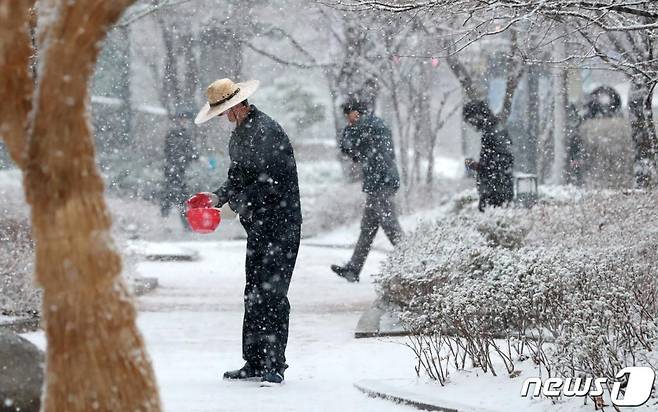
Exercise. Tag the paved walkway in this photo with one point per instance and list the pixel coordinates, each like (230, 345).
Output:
(192, 326)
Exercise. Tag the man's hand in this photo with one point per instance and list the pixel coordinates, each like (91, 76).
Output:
(241, 206)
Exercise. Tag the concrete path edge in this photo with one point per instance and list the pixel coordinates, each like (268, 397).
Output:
(386, 389)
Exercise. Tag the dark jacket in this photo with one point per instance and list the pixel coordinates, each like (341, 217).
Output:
(370, 143)
(495, 184)
(262, 179)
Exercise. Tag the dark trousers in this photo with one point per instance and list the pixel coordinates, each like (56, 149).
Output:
(379, 211)
(495, 190)
(271, 256)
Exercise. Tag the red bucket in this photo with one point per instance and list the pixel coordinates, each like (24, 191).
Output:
(204, 220)
(200, 200)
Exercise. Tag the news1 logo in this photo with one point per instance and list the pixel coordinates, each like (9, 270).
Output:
(639, 384)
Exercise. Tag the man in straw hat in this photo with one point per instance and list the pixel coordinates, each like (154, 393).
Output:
(262, 188)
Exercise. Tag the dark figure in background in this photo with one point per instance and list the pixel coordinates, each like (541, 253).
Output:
(368, 141)
(179, 152)
(262, 187)
(494, 170)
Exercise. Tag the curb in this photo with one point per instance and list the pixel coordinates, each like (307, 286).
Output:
(186, 257)
(370, 324)
(339, 246)
(382, 390)
(140, 287)
(143, 285)
(21, 325)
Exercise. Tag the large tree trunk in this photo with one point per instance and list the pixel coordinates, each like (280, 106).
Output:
(95, 357)
(16, 82)
(643, 131)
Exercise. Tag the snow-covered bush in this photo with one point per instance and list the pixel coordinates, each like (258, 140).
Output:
(570, 284)
(18, 294)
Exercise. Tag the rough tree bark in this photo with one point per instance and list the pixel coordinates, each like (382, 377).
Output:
(16, 84)
(95, 358)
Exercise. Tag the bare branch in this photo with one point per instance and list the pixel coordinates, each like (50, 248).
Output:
(128, 20)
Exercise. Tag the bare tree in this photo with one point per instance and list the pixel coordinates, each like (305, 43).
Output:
(363, 49)
(348, 70)
(620, 33)
(95, 357)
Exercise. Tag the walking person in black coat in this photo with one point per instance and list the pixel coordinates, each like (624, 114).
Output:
(262, 188)
(494, 170)
(368, 141)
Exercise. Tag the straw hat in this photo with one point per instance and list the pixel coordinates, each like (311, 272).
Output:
(224, 94)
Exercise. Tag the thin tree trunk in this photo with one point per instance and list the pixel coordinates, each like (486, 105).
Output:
(424, 132)
(95, 355)
(429, 176)
(403, 158)
(464, 78)
(513, 77)
(643, 131)
(125, 89)
(171, 83)
(532, 140)
(560, 119)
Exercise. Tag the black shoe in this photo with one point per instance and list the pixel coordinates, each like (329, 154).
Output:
(272, 378)
(247, 372)
(346, 272)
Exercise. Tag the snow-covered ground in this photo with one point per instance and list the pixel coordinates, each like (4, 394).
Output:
(192, 326)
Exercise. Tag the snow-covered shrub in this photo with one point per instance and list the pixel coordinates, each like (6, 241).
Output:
(570, 284)
(18, 293)
(612, 313)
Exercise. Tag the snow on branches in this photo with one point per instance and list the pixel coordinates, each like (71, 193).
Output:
(571, 285)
